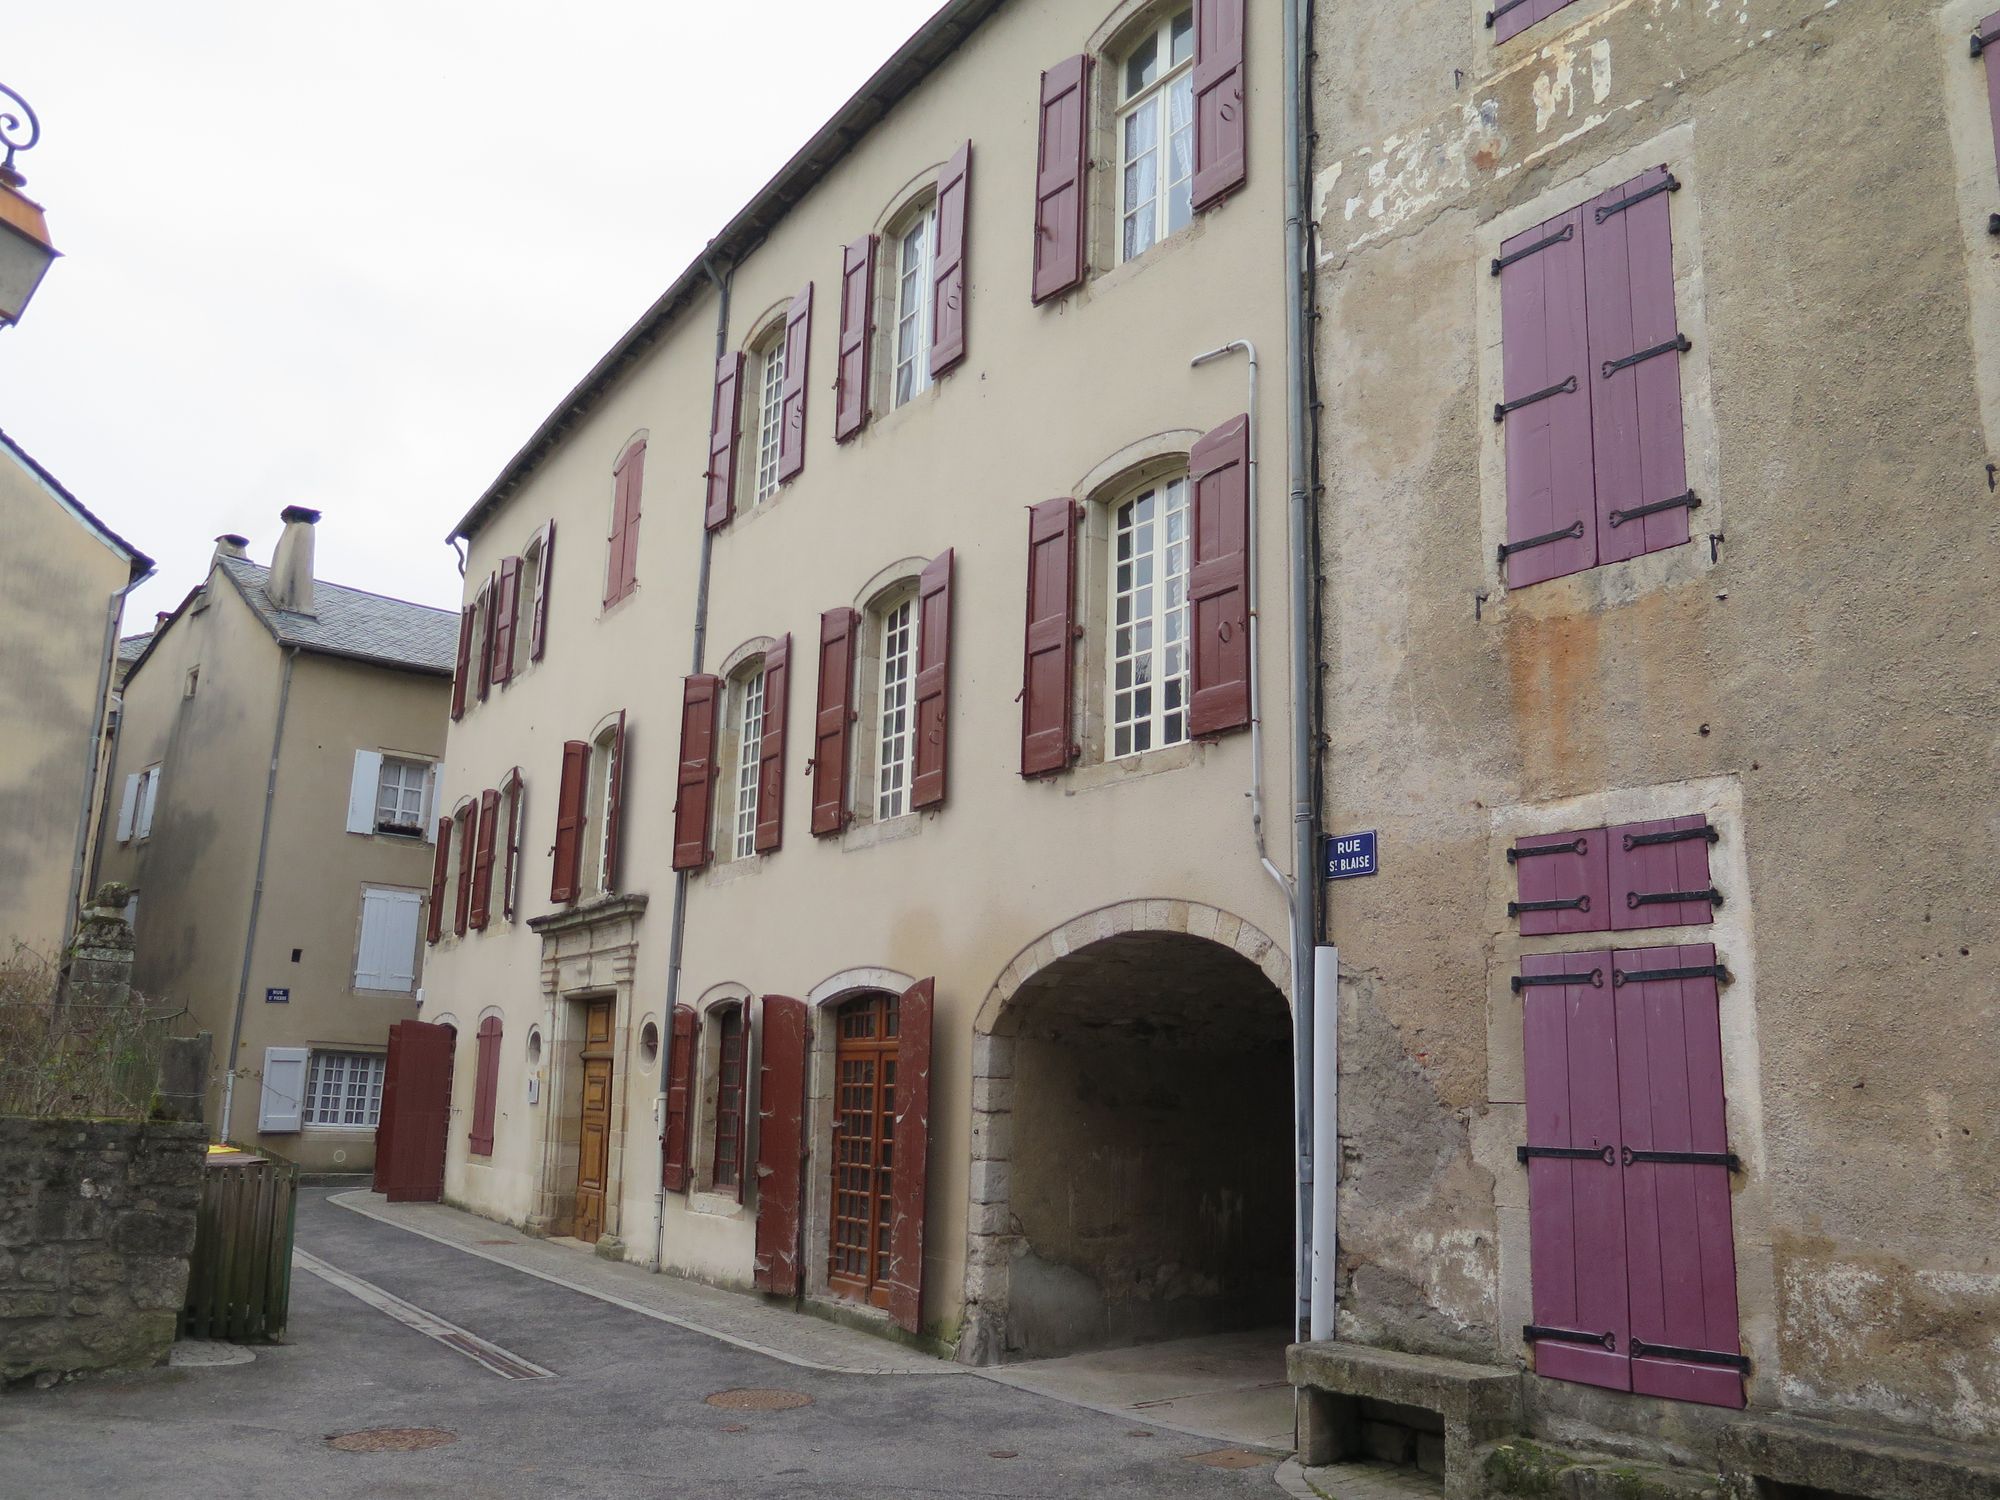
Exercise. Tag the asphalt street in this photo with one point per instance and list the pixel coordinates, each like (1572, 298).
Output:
(624, 1412)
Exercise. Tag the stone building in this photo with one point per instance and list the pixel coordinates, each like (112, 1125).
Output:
(960, 1006)
(1660, 353)
(273, 776)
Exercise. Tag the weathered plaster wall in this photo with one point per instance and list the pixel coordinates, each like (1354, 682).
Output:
(1830, 665)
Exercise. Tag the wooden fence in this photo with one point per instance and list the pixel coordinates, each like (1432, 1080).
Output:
(240, 1279)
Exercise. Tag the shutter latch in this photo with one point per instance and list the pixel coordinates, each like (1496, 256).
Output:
(1637, 899)
(1571, 532)
(1575, 846)
(1561, 388)
(1569, 1153)
(1535, 1332)
(1574, 903)
(1718, 972)
(1739, 1362)
(1667, 184)
(1689, 499)
(1727, 1159)
(1678, 344)
(1673, 836)
(1595, 978)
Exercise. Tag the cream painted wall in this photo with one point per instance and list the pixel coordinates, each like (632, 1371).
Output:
(1045, 397)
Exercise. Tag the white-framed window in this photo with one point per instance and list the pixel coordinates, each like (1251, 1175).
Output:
(386, 956)
(345, 1090)
(401, 792)
(896, 741)
(601, 790)
(192, 683)
(1149, 619)
(135, 811)
(769, 363)
(1156, 135)
(749, 763)
(915, 249)
(531, 586)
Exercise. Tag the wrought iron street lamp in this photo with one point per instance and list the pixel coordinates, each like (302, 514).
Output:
(26, 251)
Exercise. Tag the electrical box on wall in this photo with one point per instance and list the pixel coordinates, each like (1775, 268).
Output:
(534, 1088)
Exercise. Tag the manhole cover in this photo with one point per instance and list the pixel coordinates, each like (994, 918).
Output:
(391, 1439)
(756, 1399)
(1230, 1458)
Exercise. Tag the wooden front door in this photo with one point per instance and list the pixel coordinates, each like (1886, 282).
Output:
(864, 1147)
(593, 1161)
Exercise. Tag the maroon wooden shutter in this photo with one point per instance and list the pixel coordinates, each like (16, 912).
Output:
(468, 833)
(1219, 579)
(568, 873)
(629, 480)
(486, 1087)
(1576, 1219)
(463, 674)
(614, 805)
(538, 637)
(440, 866)
(1986, 44)
(905, 1273)
(485, 606)
(771, 752)
(725, 424)
(781, 1100)
(511, 852)
(933, 720)
(694, 793)
(857, 328)
(954, 212)
(743, 1100)
(834, 719)
(1062, 158)
(1219, 113)
(506, 616)
(1046, 672)
(680, 1072)
(1638, 455)
(1654, 862)
(792, 403)
(1682, 1288)
(1560, 881)
(1545, 403)
(482, 860)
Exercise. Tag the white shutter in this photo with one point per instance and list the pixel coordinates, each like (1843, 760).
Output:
(148, 795)
(363, 790)
(388, 956)
(127, 808)
(282, 1107)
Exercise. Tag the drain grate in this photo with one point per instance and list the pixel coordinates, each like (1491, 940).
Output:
(1230, 1458)
(391, 1439)
(757, 1398)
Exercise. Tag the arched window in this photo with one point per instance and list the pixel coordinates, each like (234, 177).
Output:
(1156, 134)
(892, 622)
(742, 759)
(1147, 657)
(912, 247)
(764, 372)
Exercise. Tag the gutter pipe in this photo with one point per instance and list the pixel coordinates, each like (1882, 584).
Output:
(114, 616)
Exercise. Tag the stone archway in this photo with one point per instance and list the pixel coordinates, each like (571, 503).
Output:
(1131, 1129)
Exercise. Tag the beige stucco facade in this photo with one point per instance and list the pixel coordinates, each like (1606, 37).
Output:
(1813, 671)
(1126, 889)
(62, 598)
(251, 844)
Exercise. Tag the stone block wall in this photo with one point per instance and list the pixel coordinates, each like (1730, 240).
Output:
(97, 1221)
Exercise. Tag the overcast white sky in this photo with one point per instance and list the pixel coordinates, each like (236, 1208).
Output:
(349, 256)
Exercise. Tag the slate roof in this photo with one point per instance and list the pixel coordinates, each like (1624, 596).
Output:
(348, 622)
(132, 647)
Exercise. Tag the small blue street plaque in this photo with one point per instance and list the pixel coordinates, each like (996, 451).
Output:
(1350, 854)
(277, 997)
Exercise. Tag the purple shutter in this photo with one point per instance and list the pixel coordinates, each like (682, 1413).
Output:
(781, 1098)
(1512, 17)
(538, 637)
(792, 407)
(680, 1075)
(1680, 1242)
(770, 830)
(1046, 680)
(1635, 407)
(933, 686)
(700, 702)
(1219, 115)
(482, 861)
(566, 872)
(857, 329)
(485, 1088)
(468, 835)
(908, 1184)
(1665, 857)
(462, 675)
(1560, 883)
(1545, 394)
(1576, 1217)
(440, 870)
(507, 617)
(954, 212)
(1219, 579)
(725, 421)
(628, 481)
(1063, 156)
(834, 720)
(485, 605)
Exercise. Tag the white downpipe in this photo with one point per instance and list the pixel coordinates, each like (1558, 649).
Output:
(1325, 1139)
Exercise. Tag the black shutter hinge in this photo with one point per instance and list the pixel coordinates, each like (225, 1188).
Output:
(1689, 499)
(1718, 972)
(1536, 1332)
(1574, 903)
(1993, 223)
(1595, 978)
(1727, 1159)
(1636, 899)
(1561, 388)
(1673, 836)
(1979, 43)
(1678, 344)
(1571, 532)
(1667, 184)
(1575, 846)
(1567, 232)
(1500, 10)
(1738, 1362)
(1569, 1153)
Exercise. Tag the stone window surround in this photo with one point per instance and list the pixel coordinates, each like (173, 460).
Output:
(1503, 1125)
(1619, 582)
(589, 952)
(991, 1236)
(704, 1073)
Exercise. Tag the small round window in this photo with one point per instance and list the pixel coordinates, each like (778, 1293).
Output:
(649, 1042)
(534, 1044)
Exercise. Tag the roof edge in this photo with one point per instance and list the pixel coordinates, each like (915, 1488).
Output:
(141, 565)
(909, 65)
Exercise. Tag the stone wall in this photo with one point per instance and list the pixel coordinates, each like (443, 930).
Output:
(97, 1220)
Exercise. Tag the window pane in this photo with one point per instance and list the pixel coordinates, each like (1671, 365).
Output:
(749, 760)
(770, 406)
(1148, 676)
(913, 307)
(1143, 66)
(1183, 37)
(897, 744)
(1180, 152)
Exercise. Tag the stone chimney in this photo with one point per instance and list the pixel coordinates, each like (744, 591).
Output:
(290, 585)
(229, 544)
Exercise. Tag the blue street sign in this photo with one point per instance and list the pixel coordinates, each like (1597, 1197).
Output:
(278, 997)
(1350, 854)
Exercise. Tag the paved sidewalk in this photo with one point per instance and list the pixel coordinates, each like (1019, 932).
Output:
(732, 1317)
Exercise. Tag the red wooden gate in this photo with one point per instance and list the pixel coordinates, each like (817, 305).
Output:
(416, 1108)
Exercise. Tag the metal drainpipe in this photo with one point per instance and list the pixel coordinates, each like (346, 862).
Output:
(677, 929)
(1298, 349)
(256, 901)
(114, 614)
